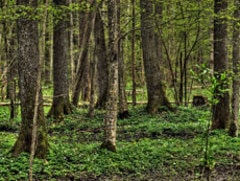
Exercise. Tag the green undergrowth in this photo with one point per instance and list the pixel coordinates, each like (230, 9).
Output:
(167, 146)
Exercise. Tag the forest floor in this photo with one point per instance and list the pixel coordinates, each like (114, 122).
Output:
(169, 146)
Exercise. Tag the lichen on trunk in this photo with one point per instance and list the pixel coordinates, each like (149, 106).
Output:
(28, 68)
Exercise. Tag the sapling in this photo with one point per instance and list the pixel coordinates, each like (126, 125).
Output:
(218, 86)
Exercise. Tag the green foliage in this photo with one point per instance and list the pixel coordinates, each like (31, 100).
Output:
(216, 84)
(12, 12)
(168, 146)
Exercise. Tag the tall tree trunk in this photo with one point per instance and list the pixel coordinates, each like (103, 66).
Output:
(123, 106)
(93, 73)
(101, 55)
(155, 88)
(28, 62)
(48, 49)
(234, 127)
(42, 41)
(9, 33)
(11, 74)
(61, 103)
(134, 84)
(110, 120)
(86, 26)
(221, 110)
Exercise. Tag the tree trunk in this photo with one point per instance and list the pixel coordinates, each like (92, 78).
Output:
(134, 84)
(86, 25)
(43, 38)
(123, 106)
(11, 76)
(234, 127)
(28, 62)
(110, 120)
(48, 53)
(155, 88)
(11, 69)
(92, 96)
(61, 104)
(101, 55)
(221, 110)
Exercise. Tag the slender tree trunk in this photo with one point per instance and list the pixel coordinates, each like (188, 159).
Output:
(48, 59)
(101, 55)
(11, 76)
(134, 84)
(28, 62)
(42, 41)
(11, 62)
(61, 103)
(48, 48)
(123, 106)
(110, 120)
(83, 63)
(221, 110)
(234, 127)
(92, 95)
(71, 44)
(155, 88)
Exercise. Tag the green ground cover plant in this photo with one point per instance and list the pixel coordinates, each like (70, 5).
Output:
(167, 146)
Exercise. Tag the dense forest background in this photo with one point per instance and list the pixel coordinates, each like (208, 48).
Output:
(152, 70)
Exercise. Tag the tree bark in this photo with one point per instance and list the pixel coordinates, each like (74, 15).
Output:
(134, 84)
(110, 120)
(123, 106)
(61, 103)
(101, 55)
(234, 127)
(221, 110)
(83, 64)
(155, 88)
(92, 96)
(48, 51)
(28, 67)
(9, 33)
(11, 77)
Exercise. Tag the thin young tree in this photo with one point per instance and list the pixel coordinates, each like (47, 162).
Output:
(28, 68)
(61, 103)
(110, 120)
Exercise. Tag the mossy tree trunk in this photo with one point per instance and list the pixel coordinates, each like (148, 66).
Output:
(110, 120)
(150, 44)
(28, 67)
(61, 103)
(220, 110)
